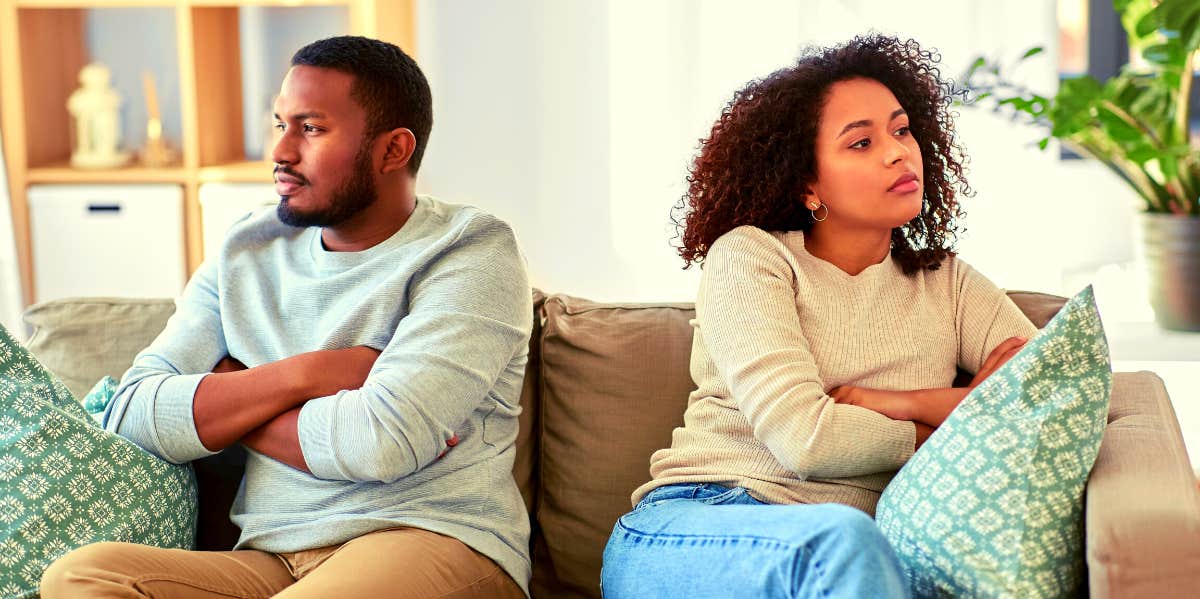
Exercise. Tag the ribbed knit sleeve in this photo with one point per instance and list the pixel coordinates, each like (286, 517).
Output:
(985, 317)
(746, 312)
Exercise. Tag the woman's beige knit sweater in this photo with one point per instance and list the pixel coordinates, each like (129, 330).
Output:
(777, 328)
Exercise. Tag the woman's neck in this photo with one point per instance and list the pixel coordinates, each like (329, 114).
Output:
(852, 251)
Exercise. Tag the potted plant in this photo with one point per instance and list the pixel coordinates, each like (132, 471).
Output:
(1137, 124)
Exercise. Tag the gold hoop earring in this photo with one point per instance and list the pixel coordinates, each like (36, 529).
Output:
(814, 213)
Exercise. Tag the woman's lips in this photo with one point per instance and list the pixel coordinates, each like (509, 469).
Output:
(906, 187)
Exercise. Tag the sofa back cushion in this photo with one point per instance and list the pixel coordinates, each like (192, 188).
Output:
(615, 383)
(85, 339)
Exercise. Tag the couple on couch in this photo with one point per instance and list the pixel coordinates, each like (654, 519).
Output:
(368, 346)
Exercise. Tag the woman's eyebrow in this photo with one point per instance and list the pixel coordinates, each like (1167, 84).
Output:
(869, 122)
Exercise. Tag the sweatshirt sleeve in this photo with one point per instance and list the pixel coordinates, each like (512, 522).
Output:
(985, 317)
(152, 406)
(469, 317)
(747, 315)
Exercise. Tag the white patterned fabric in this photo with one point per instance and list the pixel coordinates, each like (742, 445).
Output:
(992, 504)
(65, 482)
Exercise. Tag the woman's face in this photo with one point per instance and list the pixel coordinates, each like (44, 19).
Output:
(869, 169)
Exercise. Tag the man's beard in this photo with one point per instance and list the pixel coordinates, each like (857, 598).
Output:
(355, 195)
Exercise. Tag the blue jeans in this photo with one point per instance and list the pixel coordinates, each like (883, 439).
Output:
(706, 540)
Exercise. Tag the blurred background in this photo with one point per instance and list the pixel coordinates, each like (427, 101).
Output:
(573, 120)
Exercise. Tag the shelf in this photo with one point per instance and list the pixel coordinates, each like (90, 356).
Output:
(216, 65)
(172, 3)
(94, 4)
(279, 3)
(64, 173)
(238, 172)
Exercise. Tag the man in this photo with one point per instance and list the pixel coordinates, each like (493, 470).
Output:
(366, 345)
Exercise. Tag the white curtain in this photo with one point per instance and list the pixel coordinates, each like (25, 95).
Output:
(10, 278)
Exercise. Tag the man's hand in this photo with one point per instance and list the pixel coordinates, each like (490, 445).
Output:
(235, 400)
(893, 404)
(228, 364)
(332, 370)
(1001, 354)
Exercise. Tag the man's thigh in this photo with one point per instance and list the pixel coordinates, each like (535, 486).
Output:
(130, 570)
(407, 563)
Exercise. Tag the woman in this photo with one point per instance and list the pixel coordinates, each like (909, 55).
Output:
(831, 316)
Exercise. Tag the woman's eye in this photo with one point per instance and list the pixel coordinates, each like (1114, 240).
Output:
(862, 143)
(902, 131)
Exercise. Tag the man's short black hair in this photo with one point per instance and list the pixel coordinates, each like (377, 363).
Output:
(388, 85)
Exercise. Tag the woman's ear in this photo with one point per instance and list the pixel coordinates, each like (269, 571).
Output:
(811, 200)
(399, 150)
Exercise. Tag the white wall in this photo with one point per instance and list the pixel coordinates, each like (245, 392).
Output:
(10, 278)
(576, 121)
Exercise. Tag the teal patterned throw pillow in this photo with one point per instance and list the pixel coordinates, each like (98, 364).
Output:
(992, 504)
(65, 482)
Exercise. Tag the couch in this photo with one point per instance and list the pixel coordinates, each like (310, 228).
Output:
(605, 386)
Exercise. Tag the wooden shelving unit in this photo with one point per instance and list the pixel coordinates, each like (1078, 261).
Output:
(42, 48)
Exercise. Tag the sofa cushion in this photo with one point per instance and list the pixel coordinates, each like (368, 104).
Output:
(1039, 308)
(615, 383)
(1143, 509)
(992, 504)
(83, 340)
(65, 482)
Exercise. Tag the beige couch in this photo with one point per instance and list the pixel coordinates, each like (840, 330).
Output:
(607, 383)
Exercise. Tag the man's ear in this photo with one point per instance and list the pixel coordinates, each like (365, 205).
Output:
(400, 144)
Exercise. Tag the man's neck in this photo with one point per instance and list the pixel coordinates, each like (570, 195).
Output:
(372, 226)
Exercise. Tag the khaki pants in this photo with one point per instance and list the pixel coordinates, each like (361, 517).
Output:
(403, 562)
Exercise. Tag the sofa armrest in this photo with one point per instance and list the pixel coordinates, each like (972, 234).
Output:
(1143, 508)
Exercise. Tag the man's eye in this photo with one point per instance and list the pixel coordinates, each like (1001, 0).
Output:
(279, 126)
(310, 129)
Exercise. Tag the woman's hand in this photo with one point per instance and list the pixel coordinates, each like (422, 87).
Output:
(926, 406)
(893, 404)
(1001, 354)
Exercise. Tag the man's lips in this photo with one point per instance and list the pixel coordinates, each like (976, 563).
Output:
(906, 183)
(286, 184)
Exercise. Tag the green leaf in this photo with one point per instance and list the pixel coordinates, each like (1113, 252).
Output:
(1147, 24)
(1142, 154)
(1164, 54)
(1034, 51)
(1116, 127)
(1045, 141)
(1169, 166)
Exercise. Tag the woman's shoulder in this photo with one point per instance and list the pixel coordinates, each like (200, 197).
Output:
(747, 237)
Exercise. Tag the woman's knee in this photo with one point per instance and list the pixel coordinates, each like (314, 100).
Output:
(847, 534)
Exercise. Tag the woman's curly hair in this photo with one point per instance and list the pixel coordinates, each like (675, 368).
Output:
(756, 164)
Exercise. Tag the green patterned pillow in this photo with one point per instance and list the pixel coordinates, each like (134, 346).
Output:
(65, 482)
(992, 504)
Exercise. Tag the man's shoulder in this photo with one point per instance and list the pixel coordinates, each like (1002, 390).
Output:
(466, 221)
(259, 227)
